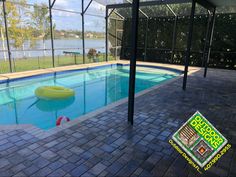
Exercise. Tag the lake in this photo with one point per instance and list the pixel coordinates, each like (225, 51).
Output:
(60, 45)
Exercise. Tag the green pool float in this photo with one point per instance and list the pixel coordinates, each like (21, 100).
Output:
(54, 92)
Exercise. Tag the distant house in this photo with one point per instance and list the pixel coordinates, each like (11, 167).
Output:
(62, 34)
(72, 35)
(89, 35)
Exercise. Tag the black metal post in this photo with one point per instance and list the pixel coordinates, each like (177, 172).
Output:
(83, 40)
(206, 40)
(84, 89)
(75, 59)
(7, 36)
(189, 44)
(51, 29)
(106, 90)
(106, 33)
(116, 39)
(53, 3)
(174, 39)
(210, 43)
(84, 10)
(146, 40)
(135, 18)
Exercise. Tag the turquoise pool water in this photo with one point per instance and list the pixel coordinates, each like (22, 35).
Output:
(94, 88)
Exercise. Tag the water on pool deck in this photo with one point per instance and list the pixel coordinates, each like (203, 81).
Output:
(93, 89)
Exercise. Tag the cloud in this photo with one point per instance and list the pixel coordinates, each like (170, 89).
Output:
(66, 20)
(96, 9)
(64, 14)
(62, 3)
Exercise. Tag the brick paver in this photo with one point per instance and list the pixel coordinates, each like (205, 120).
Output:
(106, 145)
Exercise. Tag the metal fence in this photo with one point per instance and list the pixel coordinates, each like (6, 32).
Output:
(50, 34)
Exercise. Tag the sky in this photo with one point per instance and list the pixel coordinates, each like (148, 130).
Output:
(72, 21)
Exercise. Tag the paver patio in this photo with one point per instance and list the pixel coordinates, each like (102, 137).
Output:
(106, 145)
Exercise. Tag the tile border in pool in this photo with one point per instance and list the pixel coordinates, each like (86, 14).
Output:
(84, 69)
(155, 67)
(53, 73)
(41, 134)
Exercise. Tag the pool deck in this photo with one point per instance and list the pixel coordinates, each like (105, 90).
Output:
(75, 67)
(106, 145)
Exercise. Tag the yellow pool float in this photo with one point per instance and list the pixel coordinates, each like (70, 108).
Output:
(54, 92)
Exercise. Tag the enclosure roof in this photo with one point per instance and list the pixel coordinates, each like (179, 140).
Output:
(108, 2)
(218, 3)
(111, 2)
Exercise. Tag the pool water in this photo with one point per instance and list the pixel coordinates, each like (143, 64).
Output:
(94, 89)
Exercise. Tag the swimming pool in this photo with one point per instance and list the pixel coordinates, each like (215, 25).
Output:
(94, 88)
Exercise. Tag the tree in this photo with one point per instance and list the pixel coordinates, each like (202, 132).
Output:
(18, 28)
(41, 22)
(2, 35)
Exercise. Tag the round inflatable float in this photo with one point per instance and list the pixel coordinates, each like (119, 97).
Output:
(54, 92)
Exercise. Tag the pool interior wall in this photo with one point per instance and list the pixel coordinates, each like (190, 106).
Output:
(95, 87)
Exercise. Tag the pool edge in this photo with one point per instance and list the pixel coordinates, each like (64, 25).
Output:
(4, 79)
(41, 134)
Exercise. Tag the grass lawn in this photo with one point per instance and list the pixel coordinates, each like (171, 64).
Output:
(45, 62)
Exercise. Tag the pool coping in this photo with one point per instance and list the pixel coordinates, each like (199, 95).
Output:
(22, 77)
(41, 134)
(39, 72)
(28, 74)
